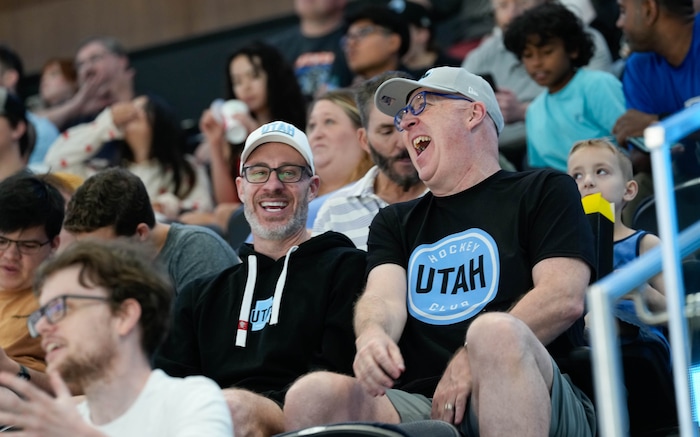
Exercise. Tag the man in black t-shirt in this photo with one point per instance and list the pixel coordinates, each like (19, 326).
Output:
(501, 257)
(313, 47)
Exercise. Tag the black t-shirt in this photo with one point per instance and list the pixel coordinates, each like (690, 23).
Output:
(312, 58)
(474, 251)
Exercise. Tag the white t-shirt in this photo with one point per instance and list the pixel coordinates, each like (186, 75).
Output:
(169, 407)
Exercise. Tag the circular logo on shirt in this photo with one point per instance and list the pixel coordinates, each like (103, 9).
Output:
(453, 279)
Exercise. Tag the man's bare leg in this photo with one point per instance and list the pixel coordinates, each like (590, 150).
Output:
(253, 415)
(512, 377)
(323, 397)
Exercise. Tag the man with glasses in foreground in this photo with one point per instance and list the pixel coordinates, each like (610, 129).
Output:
(104, 310)
(287, 309)
(31, 215)
(495, 259)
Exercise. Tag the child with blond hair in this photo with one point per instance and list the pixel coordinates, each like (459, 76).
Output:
(598, 166)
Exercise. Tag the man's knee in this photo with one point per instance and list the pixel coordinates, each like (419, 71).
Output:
(253, 414)
(499, 341)
(316, 389)
(498, 336)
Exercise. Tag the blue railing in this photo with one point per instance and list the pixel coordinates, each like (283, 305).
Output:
(607, 368)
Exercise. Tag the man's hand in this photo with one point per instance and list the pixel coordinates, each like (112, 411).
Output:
(451, 393)
(512, 109)
(37, 413)
(92, 95)
(378, 363)
(632, 124)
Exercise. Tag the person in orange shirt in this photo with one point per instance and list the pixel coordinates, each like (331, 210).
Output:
(30, 223)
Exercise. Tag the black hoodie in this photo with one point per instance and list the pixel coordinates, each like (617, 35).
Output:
(315, 284)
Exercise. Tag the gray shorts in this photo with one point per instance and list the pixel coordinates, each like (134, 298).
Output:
(572, 411)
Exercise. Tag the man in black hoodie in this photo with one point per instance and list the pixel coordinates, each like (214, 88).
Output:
(287, 309)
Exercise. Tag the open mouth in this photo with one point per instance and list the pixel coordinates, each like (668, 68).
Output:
(273, 206)
(421, 143)
(50, 348)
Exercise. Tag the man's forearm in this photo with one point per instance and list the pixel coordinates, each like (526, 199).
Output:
(62, 114)
(372, 312)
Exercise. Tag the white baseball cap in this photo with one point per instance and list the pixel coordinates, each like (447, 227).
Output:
(278, 132)
(392, 96)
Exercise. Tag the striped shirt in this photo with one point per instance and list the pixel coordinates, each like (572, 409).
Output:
(351, 209)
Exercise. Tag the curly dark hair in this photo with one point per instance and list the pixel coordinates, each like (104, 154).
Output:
(113, 197)
(284, 96)
(125, 269)
(549, 21)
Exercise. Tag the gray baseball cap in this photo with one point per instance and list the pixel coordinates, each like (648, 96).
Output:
(392, 95)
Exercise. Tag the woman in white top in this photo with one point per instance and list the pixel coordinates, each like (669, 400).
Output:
(148, 141)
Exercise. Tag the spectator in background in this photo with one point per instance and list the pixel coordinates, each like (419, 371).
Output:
(312, 47)
(258, 75)
(664, 36)
(43, 131)
(393, 178)
(423, 52)
(339, 158)
(578, 103)
(15, 138)
(114, 203)
(462, 24)
(112, 292)
(58, 83)
(375, 40)
(514, 87)
(105, 77)
(150, 143)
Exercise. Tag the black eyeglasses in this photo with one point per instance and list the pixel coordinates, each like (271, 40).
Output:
(55, 310)
(25, 247)
(417, 105)
(288, 174)
(361, 33)
(92, 59)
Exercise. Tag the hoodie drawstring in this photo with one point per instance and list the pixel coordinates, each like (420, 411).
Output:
(244, 315)
(279, 289)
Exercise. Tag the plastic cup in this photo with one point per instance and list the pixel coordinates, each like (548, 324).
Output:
(224, 112)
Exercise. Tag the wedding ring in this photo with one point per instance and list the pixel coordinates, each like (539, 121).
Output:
(448, 406)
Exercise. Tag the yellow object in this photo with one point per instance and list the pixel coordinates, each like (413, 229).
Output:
(596, 203)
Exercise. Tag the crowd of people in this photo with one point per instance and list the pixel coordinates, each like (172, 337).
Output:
(417, 247)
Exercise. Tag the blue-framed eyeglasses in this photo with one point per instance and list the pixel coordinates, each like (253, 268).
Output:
(418, 102)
